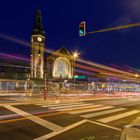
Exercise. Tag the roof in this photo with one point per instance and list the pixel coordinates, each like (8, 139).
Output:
(61, 52)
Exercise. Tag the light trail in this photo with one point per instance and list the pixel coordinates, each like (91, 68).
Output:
(108, 74)
(102, 66)
(83, 69)
(84, 72)
(131, 68)
(13, 57)
(121, 68)
(99, 66)
(15, 40)
(88, 68)
(115, 28)
(20, 42)
(16, 66)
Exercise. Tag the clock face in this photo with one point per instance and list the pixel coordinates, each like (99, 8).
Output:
(39, 39)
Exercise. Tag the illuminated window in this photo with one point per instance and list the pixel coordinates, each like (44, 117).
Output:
(61, 68)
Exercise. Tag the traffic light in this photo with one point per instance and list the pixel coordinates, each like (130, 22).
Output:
(82, 29)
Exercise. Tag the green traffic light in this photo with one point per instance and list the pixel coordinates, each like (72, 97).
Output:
(81, 32)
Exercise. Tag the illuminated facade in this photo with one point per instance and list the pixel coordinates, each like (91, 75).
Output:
(60, 65)
(62, 68)
(37, 47)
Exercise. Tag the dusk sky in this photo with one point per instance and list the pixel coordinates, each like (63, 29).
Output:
(61, 20)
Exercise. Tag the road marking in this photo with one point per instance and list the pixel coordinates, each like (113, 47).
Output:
(80, 108)
(3, 104)
(50, 135)
(102, 113)
(90, 110)
(35, 119)
(56, 113)
(105, 125)
(70, 106)
(20, 119)
(119, 116)
(60, 104)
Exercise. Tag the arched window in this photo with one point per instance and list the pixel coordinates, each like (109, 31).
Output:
(61, 68)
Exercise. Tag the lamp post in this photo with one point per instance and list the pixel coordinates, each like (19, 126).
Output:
(45, 79)
(75, 56)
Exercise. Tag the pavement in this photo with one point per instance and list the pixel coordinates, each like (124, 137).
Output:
(60, 118)
(132, 131)
(75, 97)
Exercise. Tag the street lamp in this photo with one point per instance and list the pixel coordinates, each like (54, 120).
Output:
(136, 75)
(45, 79)
(75, 56)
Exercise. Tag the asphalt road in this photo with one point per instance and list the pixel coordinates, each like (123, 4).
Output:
(94, 119)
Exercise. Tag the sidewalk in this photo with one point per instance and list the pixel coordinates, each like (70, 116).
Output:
(132, 132)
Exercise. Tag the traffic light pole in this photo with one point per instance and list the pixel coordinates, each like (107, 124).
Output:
(82, 28)
(45, 79)
(45, 85)
(74, 74)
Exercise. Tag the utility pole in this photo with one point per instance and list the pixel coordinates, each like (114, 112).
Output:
(45, 80)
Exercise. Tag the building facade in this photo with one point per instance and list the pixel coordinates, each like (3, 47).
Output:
(37, 47)
(58, 65)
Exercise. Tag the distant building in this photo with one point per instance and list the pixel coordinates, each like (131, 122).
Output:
(59, 65)
(14, 70)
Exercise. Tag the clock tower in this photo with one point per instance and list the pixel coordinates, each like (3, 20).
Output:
(37, 47)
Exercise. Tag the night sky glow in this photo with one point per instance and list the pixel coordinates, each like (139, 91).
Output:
(61, 20)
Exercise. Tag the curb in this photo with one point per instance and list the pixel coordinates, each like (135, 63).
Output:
(132, 131)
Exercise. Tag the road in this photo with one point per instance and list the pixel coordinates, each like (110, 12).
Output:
(102, 119)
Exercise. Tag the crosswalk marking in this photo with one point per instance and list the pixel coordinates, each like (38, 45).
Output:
(50, 135)
(102, 113)
(80, 108)
(53, 134)
(35, 119)
(69, 106)
(119, 116)
(90, 110)
(105, 125)
(62, 104)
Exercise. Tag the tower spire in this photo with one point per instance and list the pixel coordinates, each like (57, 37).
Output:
(37, 47)
(38, 25)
